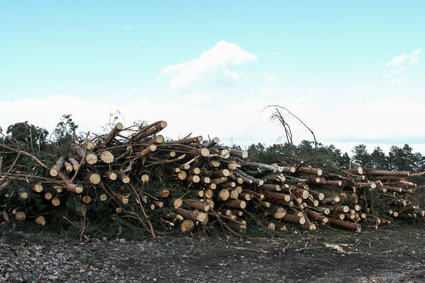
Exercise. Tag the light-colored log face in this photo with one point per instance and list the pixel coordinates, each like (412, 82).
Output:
(125, 179)
(312, 227)
(182, 175)
(89, 145)
(209, 194)
(23, 195)
(234, 194)
(145, 178)
(178, 202)
(187, 225)
(40, 220)
(212, 186)
(159, 139)
(110, 175)
(107, 157)
(20, 216)
(68, 167)
(38, 188)
(95, 178)
(86, 199)
(194, 179)
(55, 201)
(279, 214)
(79, 189)
(91, 158)
(48, 196)
(164, 193)
(75, 163)
(124, 199)
(215, 163)
(205, 152)
(223, 195)
(245, 196)
(119, 126)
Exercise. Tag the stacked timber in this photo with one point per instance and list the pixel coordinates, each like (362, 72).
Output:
(192, 183)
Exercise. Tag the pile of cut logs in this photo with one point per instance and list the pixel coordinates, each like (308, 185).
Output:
(191, 184)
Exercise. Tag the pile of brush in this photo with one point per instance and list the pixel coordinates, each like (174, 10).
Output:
(191, 183)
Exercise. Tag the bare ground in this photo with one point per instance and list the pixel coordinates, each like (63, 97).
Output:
(395, 253)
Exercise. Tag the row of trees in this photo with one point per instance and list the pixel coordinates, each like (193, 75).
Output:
(398, 158)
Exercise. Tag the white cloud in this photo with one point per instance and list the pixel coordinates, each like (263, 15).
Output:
(397, 60)
(210, 65)
(267, 90)
(270, 78)
(395, 72)
(414, 56)
(384, 119)
(276, 53)
(406, 61)
(234, 75)
(363, 85)
(128, 27)
(198, 98)
(400, 81)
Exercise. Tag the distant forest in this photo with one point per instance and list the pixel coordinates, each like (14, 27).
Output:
(397, 159)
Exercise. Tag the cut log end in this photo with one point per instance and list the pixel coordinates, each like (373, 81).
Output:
(23, 195)
(182, 175)
(95, 178)
(79, 189)
(20, 216)
(87, 199)
(110, 175)
(223, 195)
(145, 178)
(205, 152)
(178, 202)
(55, 201)
(91, 158)
(125, 179)
(187, 225)
(107, 157)
(38, 188)
(41, 220)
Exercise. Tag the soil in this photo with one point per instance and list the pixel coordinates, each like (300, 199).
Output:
(394, 253)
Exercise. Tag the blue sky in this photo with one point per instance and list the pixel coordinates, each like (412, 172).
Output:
(351, 69)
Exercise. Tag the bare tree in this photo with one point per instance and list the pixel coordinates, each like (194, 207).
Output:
(277, 115)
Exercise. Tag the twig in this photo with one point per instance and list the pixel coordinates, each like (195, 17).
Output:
(225, 225)
(10, 169)
(25, 153)
(152, 231)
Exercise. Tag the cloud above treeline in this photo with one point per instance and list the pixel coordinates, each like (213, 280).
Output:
(213, 65)
(240, 123)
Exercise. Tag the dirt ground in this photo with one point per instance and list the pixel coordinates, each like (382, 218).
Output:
(395, 253)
